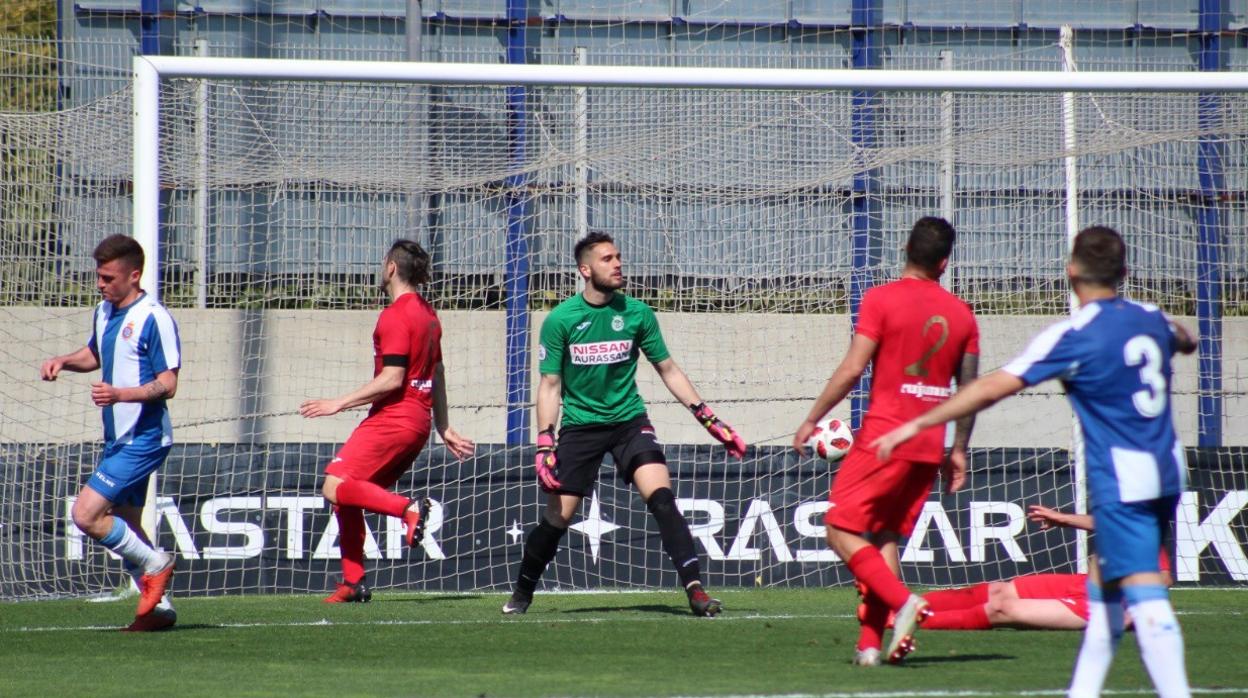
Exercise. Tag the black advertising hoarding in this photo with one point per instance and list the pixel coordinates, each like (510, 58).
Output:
(250, 519)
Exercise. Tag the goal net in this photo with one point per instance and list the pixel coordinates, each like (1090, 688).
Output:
(750, 219)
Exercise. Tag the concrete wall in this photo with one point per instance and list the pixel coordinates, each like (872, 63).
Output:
(246, 372)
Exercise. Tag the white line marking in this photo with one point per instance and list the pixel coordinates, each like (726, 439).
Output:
(537, 618)
(968, 693)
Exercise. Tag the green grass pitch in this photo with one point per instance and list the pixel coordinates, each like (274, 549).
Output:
(769, 642)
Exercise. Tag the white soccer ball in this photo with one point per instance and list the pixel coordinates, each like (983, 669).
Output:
(831, 439)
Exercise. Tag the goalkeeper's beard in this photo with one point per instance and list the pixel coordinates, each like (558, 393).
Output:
(607, 285)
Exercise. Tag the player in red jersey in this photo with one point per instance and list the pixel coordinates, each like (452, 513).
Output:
(407, 385)
(1031, 601)
(918, 336)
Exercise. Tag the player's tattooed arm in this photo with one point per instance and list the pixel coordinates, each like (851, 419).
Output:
(154, 390)
(164, 387)
(968, 371)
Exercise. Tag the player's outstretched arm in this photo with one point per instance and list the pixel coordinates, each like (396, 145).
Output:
(1184, 339)
(80, 361)
(953, 470)
(843, 379)
(682, 389)
(968, 371)
(458, 445)
(677, 382)
(977, 396)
(387, 381)
(1052, 518)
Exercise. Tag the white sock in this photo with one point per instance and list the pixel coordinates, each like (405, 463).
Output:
(123, 541)
(1100, 640)
(1161, 641)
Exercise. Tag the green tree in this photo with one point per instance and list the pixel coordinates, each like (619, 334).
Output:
(28, 84)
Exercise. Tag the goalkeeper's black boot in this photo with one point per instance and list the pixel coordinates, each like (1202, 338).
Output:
(517, 604)
(351, 593)
(701, 604)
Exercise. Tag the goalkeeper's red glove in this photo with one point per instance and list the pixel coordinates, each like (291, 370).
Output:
(721, 432)
(546, 461)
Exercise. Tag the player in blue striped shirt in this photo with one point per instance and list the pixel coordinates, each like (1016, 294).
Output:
(1113, 358)
(135, 343)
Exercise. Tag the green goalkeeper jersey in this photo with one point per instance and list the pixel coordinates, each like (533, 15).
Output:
(594, 350)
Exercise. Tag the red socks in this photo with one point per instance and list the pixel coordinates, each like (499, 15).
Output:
(871, 626)
(955, 599)
(369, 497)
(973, 618)
(868, 567)
(351, 542)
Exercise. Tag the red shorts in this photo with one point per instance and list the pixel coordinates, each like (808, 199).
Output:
(1070, 589)
(869, 497)
(379, 451)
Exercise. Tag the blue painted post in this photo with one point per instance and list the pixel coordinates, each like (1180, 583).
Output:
(519, 202)
(1210, 222)
(149, 27)
(866, 17)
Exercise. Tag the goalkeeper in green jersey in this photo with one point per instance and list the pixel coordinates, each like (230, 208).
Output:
(588, 355)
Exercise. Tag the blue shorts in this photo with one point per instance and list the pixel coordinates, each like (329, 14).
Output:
(124, 470)
(1129, 535)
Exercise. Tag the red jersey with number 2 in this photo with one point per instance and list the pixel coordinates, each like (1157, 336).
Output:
(921, 332)
(409, 327)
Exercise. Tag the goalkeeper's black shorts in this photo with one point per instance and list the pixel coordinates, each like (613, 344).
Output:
(582, 448)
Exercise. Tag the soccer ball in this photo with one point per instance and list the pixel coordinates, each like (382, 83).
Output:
(831, 439)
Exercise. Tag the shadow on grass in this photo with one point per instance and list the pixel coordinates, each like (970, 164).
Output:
(180, 627)
(437, 598)
(957, 659)
(636, 608)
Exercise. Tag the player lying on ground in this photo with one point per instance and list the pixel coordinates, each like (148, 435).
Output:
(408, 385)
(588, 355)
(1113, 357)
(1032, 601)
(135, 341)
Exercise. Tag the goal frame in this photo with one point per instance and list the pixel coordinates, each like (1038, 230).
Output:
(150, 70)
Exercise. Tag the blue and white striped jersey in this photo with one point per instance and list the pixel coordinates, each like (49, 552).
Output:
(1113, 357)
(133, 345)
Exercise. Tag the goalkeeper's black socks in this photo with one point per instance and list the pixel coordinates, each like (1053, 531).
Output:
(674, 531)
(539, 549)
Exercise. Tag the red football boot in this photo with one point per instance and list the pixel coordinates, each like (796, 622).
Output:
(153, 586)
(351, 593)
(158, 619)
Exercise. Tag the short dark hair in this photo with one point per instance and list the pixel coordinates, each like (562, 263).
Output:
(931, 241)
(121, 247)
(411, 260)
(1100, 256)
(596, 237)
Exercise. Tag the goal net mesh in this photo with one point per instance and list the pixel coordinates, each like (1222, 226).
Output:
(743, 217)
